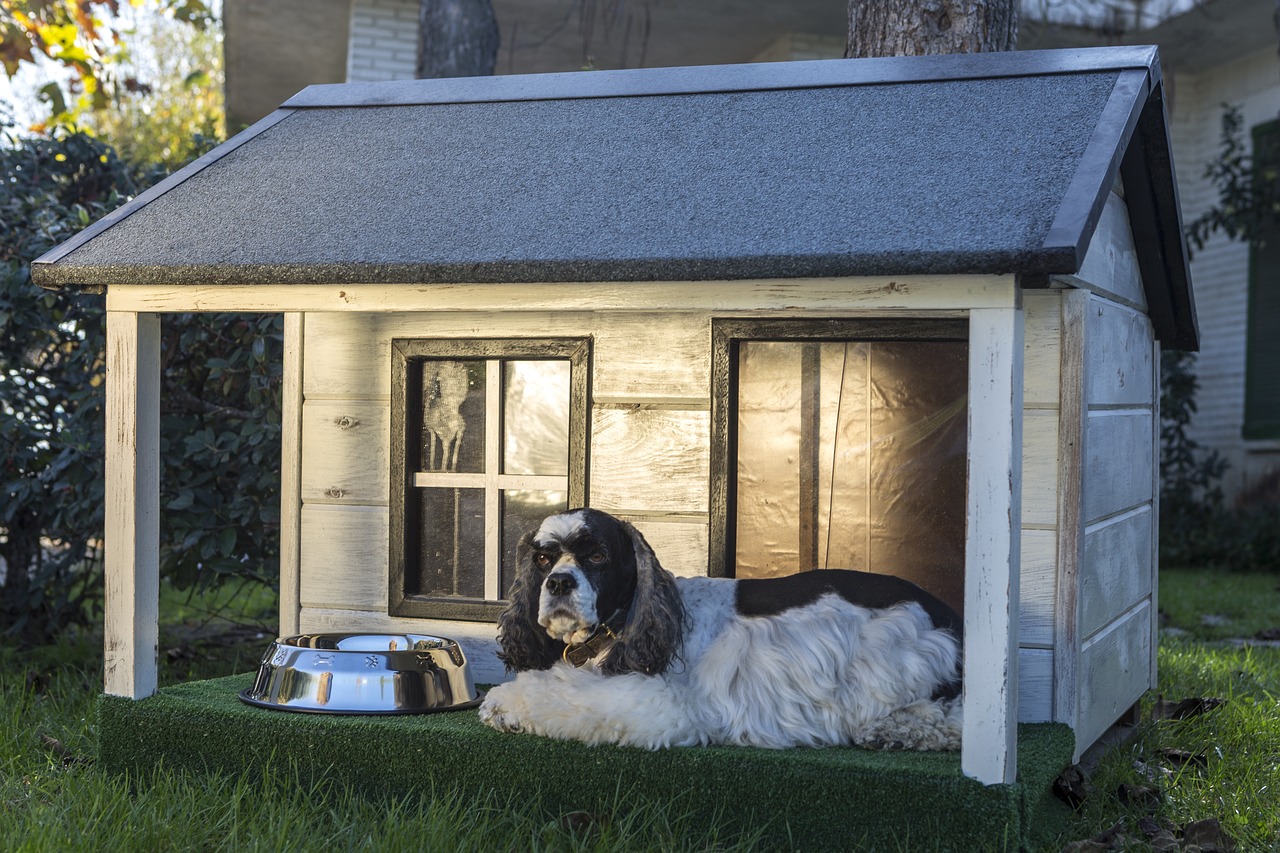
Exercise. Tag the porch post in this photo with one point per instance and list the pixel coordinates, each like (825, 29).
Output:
(132, 503)
(291, 475)
(992, 542)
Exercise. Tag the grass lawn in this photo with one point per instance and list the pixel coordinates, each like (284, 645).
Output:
(1223, 764)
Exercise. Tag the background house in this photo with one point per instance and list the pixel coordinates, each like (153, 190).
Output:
(1214, 52)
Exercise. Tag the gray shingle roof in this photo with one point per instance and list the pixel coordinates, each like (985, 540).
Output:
(986, 163)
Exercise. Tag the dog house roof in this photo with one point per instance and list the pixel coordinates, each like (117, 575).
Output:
(961, 164)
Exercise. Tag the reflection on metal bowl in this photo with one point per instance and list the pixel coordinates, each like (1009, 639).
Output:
(363, 674)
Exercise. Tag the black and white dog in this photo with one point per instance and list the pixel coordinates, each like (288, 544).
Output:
(609, 647)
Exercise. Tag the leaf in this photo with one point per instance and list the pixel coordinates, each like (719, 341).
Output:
(51, 94)
(1138, 795)
(1072, 786)
(1208, 835)
(1184, 709)
(226, 541)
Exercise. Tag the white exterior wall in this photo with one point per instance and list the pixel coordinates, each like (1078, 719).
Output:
(1220, 273)
(1105, 616)
(384, 40)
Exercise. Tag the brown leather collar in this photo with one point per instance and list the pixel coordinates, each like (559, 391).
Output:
(605, 635)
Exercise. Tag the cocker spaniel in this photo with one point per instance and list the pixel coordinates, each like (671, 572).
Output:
(609, 647)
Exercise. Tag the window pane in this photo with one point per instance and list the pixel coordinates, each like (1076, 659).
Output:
(453, 416)
(522, 512)
(536, 417)
(452, 536)
(852, 455)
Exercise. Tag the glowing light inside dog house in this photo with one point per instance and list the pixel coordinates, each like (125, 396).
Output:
(852, 455)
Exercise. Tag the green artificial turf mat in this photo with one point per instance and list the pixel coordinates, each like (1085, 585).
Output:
(806, 798)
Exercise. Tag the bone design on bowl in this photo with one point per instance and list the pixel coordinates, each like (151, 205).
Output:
(363, 674)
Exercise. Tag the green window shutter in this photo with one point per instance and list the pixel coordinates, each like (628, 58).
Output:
(1262, 354)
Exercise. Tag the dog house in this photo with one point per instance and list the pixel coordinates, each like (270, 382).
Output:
(901, 315)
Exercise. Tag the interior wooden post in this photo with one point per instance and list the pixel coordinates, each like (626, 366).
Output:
(132, 503)
(291, 475)
(992, 542)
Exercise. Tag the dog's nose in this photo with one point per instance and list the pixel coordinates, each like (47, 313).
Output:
(561, 583)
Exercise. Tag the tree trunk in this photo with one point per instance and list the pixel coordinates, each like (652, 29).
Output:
(456, 38)
(898, 28)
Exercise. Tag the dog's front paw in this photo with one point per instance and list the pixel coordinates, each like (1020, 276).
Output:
(494, 715)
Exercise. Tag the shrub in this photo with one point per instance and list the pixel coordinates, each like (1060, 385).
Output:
(220, 420)
(1197, 527)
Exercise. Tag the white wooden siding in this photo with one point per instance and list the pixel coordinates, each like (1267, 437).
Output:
(650, 461)
(1110, 266)
(1113, 643)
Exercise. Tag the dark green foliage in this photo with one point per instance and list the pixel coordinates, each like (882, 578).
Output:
(220, 448)
(1248, 197)
(220, 409)
(1197, 526)
(50, 384)
(1190, 491)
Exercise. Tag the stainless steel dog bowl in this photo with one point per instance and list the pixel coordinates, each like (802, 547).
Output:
(363, 674)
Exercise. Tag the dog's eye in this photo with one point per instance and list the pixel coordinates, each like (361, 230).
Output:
(542, 561)
(597, 557)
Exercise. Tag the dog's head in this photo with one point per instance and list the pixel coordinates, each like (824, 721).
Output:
(580, 573)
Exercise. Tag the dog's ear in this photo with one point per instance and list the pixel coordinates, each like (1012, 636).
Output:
(523, 644)
(650, 639)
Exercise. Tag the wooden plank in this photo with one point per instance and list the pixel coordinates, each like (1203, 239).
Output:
(1035, 685)
(1110, 265)
(291, 466)
(131, 522)
(1154, 570)
(992, 545)
(907, 293)
(1037, 587)
(1118, 371)
(1041, 348)
(1040, 467)
(1115, 668)
(478, 639)
(345, 447)
(1071, 448)
(651, 357)
(349, 355)
(1116, 570)
(646, 461)
(680, 546)
(1118, 464)
(344, 557)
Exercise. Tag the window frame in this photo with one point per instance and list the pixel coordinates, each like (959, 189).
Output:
(1260, 418)
(404, 545)
(727, 335)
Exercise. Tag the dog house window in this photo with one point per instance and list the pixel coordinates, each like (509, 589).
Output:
(489, 437)
(841, 444)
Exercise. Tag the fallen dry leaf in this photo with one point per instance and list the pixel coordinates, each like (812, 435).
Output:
(1072, 786)
(1108, 839)
(1185, 708)
(1138, 795)
(1181, 757)
(1209, 836)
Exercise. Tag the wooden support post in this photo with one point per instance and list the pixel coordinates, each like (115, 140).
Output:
(291, 475)
(992, 543)
(132, 503)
